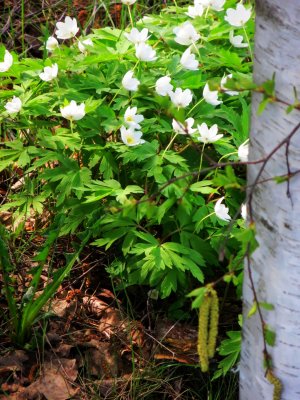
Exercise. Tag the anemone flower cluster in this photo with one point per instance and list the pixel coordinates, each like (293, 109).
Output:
(129, 82)
(184, 128)
(200, 6)
(49, 73)
(211, 96)
(239, 16)
(131, 135)
(180, 98)
(67, 30)
(14, 106)
(143, 51)
(186, 34)
(72, 111)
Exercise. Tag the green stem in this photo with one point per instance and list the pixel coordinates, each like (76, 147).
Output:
(169, 145)
(200, 101)
(130, 16)
(204, 218)
(201, 159)
(58, 88)
(207, 12)
(248, 41)
(197, 50)
(71, 126)
(227, 155)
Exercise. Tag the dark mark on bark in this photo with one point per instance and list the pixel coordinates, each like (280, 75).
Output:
(266, 224)
(267, 10)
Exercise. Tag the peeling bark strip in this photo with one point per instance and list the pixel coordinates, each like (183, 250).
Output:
(275, 264)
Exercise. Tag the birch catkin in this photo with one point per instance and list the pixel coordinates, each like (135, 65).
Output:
(276, 383)
(203, 332)
(213, 323)
(208, 327)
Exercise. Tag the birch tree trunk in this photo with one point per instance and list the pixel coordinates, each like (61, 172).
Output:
(275, 264)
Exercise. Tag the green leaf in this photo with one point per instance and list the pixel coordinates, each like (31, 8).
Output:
(199, 294)
(270, 335)
(252, 310)
(269, 86)
(262, 105)
(266, 306)
(230, 348)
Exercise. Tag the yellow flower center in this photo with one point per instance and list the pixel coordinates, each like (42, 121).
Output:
(130, 139)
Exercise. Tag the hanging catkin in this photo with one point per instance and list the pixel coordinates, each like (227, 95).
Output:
(203, 332)
(276, 383)
(213, 323)
(208, 327)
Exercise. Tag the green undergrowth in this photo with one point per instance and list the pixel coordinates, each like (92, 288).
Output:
(159, 194)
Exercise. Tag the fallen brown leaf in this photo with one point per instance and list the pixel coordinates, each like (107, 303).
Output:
(56, 381)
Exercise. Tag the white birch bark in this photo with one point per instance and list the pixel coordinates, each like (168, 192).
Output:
(276, 263)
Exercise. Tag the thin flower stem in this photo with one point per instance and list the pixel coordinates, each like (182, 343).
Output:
(207, 12)
(197, 50)
(176, 5)
(169, 145)
(227, 155)
(58, 88)
(248, 41)
(192, 109)
(203, 219)
(201, 159)
(71, 126)
(130, 16)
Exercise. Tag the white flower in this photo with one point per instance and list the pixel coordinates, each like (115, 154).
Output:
(223, 87)
(137, 37)
(163, 86)
(181, 98)
(14, 105)
(208, 135)
(244, 211)
(67, 29)
(237, 41)
(188, 60)
(83, 43)
(211, 96)
(186, 34)
(49, 73)
(128, 2)
(144, 52)
(195, 11)
(239, 16)
(72, 111)
(217, 5)
(131, 137)
(243, 152)
(203, 3)
(133, 119)
(185, 127)
(130, 83)
(51, 43)
(221, 210)
(7, 62)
